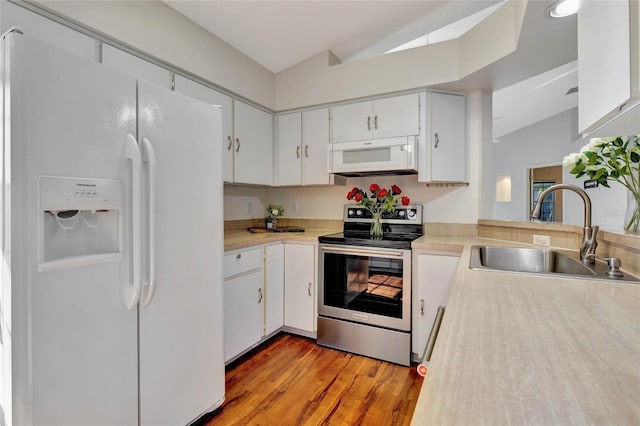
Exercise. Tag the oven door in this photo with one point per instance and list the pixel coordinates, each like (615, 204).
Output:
(365, 285)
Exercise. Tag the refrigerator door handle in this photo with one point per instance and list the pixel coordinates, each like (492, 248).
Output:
(131, 291)
(149, 284)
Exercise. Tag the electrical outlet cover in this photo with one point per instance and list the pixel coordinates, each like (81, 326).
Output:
(541, 240)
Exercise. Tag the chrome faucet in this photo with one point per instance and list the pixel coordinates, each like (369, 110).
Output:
(589, 243)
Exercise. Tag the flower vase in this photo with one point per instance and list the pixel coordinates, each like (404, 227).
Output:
(376, 226)
(274, 224)
(632, 217)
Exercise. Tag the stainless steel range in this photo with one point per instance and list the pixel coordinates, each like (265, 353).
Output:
(364, 300)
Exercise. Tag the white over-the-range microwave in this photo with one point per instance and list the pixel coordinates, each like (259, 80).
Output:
(391, 155)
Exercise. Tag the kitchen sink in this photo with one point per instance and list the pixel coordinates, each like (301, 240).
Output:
(535, 261)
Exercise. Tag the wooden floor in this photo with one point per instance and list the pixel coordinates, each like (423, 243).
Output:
(293, 381)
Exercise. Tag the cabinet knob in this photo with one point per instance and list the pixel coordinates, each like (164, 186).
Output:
(230, 143)
(309, 289)
(421, 307)
(306, 151)
(237, 144)
(298, 151)
(238, 256)
(375, 122)
(259, 295)
(369, 122)
(437, 139)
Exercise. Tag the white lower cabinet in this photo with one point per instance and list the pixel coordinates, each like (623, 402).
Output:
(274, 288)
(432, 277)
(243, 301)
(300, 272)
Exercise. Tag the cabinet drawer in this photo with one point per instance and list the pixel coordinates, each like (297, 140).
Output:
(242, 262)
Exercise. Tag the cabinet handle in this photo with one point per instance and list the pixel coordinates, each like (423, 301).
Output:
(437, 139)
(375, 122)
(421, 307)
(298, 151)
(306, 151)
(230, 143)
(238, 256)
(237, 144)
(309, 289)
(369, 122)
(259, 295)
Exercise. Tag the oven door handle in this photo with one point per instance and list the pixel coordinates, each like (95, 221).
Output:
(363, 251)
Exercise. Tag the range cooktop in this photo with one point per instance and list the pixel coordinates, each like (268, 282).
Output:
(400, 228)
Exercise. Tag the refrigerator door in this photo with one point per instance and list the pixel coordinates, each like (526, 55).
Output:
(181, 354)
(74, 343)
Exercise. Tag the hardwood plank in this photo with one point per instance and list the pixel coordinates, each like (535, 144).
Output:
(293, 381)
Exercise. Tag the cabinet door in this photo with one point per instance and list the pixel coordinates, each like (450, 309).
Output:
(289, 149)
(434, 274)
(274, 288)
(299, 283)
(315, 145)
(603, 59)
(448, 137)
(212, 97)
(243, 310)
(352, 122)
(139, 68)
(253, 145)
(397, 116)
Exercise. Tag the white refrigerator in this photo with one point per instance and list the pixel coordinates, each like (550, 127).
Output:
(112, 237)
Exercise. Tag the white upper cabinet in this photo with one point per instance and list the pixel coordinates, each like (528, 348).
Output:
(139, 68)
(212, 97)
(381, 118)
(253, 145)
(609, 67)
(315, 141)
(35, 26)
(444, 159)
(303, 139)
(289, 149)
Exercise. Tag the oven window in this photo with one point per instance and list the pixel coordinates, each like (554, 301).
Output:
(363, 283)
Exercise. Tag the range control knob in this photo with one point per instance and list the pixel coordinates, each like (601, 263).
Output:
(359, 212)
(401, 213)
(412, 213)
(350, 213)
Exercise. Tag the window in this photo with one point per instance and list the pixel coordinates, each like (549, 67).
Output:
(547, 213)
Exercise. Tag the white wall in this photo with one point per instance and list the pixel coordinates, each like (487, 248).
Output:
(161, 31)
(320, 79)
(546, 143)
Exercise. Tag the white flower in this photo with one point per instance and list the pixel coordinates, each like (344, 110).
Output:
(570, 160)
(275, 212)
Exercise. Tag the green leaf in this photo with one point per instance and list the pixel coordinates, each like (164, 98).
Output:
(635, 156)
(579, 168)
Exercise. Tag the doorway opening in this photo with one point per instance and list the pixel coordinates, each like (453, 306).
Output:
(541, 178)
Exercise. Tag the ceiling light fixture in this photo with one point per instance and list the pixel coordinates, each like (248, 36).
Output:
(561, 8)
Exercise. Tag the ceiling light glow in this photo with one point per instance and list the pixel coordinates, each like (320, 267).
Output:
(562, 8)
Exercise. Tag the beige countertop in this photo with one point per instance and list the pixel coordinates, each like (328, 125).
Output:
(241, 239)
(519, 349)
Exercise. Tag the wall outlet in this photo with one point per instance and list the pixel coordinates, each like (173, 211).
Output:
(249, 208)
(541, 240)
(294, 207)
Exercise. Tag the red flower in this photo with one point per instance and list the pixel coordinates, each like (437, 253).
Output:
(405, 201)
(382, 193)
(395, 190)
(374, 187)
(358, 196)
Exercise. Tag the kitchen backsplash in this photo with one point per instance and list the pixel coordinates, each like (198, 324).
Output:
(441, 204)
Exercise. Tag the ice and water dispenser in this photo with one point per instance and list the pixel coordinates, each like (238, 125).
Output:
(80, 222)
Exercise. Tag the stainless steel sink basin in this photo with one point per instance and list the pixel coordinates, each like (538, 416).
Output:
(534, 260)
